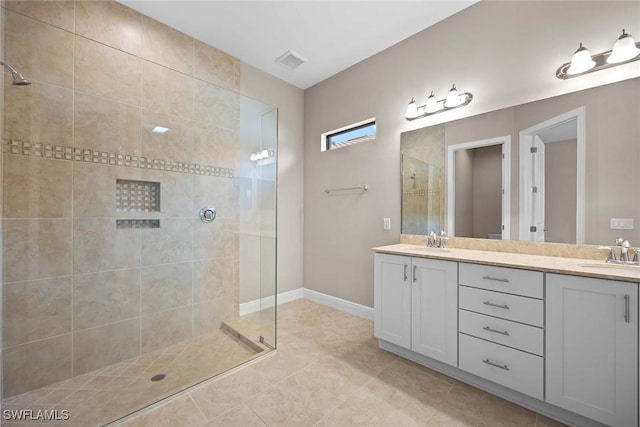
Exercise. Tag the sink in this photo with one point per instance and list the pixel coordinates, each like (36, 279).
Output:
(623, 268)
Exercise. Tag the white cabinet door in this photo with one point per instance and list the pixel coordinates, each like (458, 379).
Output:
(392, 299)
(592, 348)
(434, 309)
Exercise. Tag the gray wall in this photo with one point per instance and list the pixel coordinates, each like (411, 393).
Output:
(506, 53)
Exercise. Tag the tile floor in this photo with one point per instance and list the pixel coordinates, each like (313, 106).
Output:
(107, 394)
(329, 371)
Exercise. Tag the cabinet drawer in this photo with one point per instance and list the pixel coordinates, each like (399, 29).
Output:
(511, 368)
(505, 306)
(509, 280)
(511, 334)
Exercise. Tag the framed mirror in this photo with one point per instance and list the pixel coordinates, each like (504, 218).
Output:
(608, 157)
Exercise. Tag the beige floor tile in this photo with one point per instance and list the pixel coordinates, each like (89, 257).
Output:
(329, 371)
(365, 408)
(470, 406)
(240, 416)
(181, 411)
(222, 394)
(542, 421)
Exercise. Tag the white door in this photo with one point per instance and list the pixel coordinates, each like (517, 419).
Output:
(592, 348)
(392, 299)
(434, 309)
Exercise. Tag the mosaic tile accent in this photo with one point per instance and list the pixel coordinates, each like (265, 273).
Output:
(137, 196)
(137, 223)
(76, 154)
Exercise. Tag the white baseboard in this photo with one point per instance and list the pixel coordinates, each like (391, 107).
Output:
(339, 303)
(315, 296)
(267, 302)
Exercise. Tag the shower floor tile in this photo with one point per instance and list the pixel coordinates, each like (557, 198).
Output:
(109, 393)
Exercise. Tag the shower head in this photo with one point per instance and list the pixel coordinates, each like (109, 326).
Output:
(18, 79)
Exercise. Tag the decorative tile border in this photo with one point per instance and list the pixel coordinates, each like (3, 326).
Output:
(62, 152)
(137, 223)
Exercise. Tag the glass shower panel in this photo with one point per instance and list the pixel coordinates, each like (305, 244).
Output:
(116, 292)
(257, 231)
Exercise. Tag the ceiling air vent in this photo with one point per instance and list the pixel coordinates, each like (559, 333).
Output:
(290, 60)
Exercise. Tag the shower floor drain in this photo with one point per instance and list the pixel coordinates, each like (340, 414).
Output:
(158, 377)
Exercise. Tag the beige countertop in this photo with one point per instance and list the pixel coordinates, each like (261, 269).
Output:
(574, 266)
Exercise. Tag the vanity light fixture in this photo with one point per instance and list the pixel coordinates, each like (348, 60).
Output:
(624, 50)
(453, 100)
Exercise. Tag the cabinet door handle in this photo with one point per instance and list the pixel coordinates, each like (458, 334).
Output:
(497, 279)
(497, 365)
(488, 328)
(405, 272)
(627, 315)
(489, 303)
(414, 273)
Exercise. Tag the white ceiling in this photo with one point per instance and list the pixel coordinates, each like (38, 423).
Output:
(330, 35)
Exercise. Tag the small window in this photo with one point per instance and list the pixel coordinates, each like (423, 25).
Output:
(349, 135)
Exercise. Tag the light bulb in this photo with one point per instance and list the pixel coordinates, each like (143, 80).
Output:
(624, 49)
(453, 98)
(412, 110)
(264, 154)
(432, 104)
(253, 157)
(581, 61)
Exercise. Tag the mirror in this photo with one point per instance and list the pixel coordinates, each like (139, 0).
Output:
(609, 198)
(423, 181)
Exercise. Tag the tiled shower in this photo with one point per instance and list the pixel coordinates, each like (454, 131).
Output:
(128, 129)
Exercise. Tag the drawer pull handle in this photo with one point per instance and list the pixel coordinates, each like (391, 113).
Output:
(487, 328)
(497, 365)
(497, 279)
(489, 303)
(405, 272)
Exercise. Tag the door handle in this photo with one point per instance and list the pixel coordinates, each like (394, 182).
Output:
(627, 314)
(414, 273)
(405, 272)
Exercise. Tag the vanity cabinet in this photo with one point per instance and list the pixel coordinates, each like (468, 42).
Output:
(434, 299)
(392, 299)
(592, 348)
(501, 326)
(416, 303)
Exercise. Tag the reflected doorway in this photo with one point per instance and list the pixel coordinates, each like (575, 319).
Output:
(552, 180)
(479, 189)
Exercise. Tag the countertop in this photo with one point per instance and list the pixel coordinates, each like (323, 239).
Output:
(573, 266)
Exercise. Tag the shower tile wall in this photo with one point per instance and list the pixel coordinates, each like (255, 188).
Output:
(78, 293)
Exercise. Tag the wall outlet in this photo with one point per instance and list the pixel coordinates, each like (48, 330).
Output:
(621, 224)
(387, 223)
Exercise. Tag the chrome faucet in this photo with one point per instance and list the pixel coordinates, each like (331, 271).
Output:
(624, 253)
(431, 240)
(624, 249)
(441, 238)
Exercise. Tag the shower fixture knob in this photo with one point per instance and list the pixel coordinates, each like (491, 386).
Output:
(207, 214)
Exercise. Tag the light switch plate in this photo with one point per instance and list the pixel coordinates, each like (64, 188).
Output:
(387, 223)
(621, 224)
